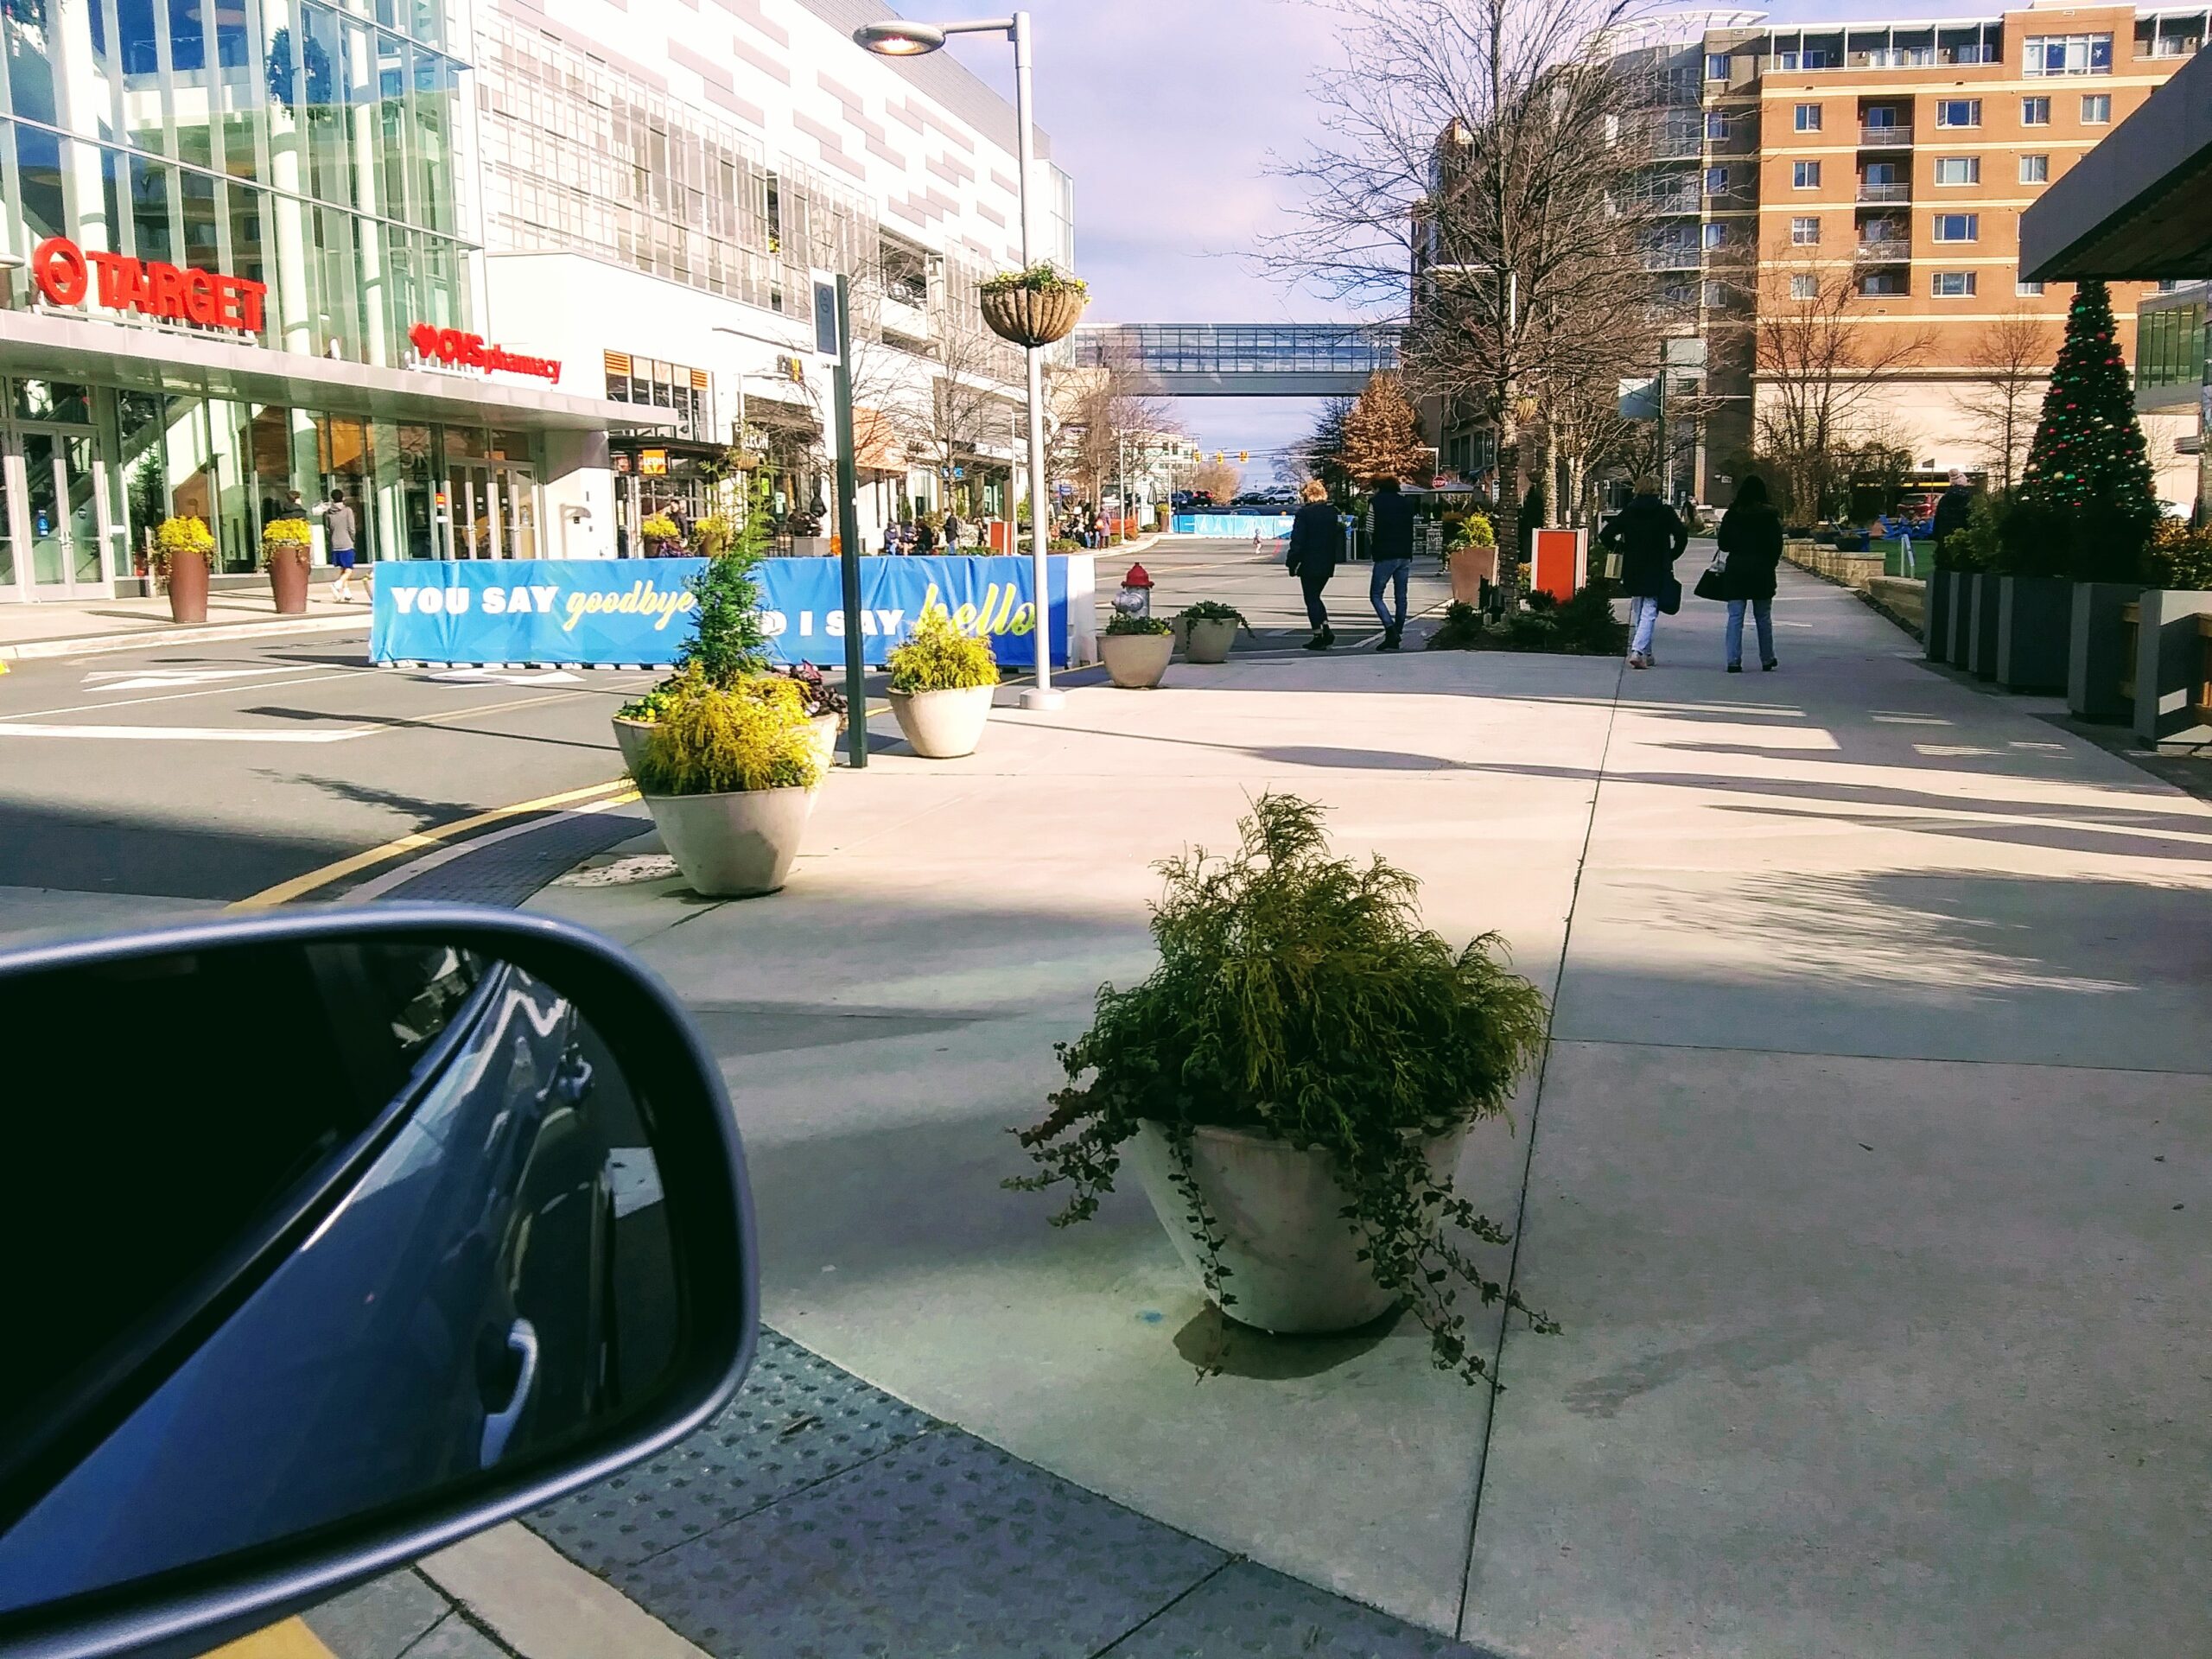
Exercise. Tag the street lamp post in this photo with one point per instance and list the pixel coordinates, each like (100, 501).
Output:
(899, 38)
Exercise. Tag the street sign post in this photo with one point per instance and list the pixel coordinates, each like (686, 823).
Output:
(833, 329)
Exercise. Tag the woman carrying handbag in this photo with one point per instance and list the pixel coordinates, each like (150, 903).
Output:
(1750, 548)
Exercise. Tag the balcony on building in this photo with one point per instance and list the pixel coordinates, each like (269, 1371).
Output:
(1885, 125)
(1883, 183)
(1883, 242)
(1791, 49)
(2169, 37)
(1885, 285)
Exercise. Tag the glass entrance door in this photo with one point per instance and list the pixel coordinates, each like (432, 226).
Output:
(476, 508)
(54, 512)
(518, 513)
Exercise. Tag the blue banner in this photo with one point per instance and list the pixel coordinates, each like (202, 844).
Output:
(1241, 525)
(600, 612)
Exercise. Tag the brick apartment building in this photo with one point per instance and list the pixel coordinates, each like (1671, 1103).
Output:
(1896, 157)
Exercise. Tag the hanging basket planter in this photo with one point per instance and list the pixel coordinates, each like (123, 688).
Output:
(1032, 317)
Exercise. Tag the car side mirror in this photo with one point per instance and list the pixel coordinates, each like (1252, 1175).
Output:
(333, 1236)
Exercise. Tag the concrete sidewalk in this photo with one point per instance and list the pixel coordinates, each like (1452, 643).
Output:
(1870, 1169)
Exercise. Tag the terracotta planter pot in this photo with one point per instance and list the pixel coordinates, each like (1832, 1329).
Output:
(1031, 318)
(1471, 567)
(1137, 660)
(187, 588)
(1210, 640)
(288, 583)
(630, 737)
(736, 845)
(943, 725)
(1292, 1259)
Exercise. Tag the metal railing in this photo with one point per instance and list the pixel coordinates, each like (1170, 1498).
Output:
(1884, 191)
(1883, 137)
(2131, 633)
(1883, 252)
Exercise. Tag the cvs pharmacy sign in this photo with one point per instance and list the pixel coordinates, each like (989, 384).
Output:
(68, 274)
(450, 345)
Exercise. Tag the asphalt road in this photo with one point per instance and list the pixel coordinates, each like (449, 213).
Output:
(212, 772)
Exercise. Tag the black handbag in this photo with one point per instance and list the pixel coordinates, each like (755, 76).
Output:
(1711, 584)
(1670, 596)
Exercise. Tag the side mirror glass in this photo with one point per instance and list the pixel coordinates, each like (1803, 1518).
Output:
(350, 1233)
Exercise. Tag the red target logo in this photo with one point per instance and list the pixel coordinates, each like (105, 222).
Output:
(58, 266)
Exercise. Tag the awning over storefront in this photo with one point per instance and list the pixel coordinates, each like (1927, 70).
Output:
(152, 360)
(2138, 205)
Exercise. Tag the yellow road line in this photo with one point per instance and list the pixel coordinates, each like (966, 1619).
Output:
(289, 1640)
(300, 886)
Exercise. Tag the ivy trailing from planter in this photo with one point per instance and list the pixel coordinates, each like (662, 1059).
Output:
(1298, 997)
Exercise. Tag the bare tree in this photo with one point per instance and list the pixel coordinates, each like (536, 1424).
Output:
(1219, 478)
(1106, 416)
(1818, 358)
(2011, 359)
(1495, 147)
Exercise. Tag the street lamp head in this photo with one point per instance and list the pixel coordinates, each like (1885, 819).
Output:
(900, 39)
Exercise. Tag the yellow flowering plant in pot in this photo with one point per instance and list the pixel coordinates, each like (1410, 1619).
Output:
(287, 545)
(182, 549)
(941, 685)
(730, 772)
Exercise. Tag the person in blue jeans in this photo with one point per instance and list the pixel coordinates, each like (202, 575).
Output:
(1650, 538)
(1390, 533)
(1750, 535)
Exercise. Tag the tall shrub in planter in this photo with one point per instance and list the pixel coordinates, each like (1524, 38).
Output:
(1294, 1080)
(729, 642)
(2087, 481)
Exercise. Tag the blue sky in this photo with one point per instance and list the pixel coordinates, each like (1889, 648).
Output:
(1165, 112)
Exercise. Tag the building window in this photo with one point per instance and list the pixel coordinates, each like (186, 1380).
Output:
(1716, 66)
(2035, 170)
(1958, 227)
(2035, 112)
(1716, 180)
(1958, 111)
(1958, 169)
(1806, 175)
(1953, 285)
(1809, 118)
(1804, 232)
(1715, 235)
(1883, 284)
(1716, 125)
(2096, 109)
(1716, 296)
(2068, 54)
(1804, 287)
(2027, 291)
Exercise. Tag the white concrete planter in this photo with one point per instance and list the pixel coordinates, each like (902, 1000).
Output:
(1211, 638)
(1137, 660)
(943, 725)
(630, 737)
(734, 845)
(1293, 1260)
(824, 735)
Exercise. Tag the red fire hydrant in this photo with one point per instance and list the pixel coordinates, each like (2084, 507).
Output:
(1135, 597)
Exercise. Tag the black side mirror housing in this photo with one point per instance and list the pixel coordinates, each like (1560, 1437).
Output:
(345, 1234)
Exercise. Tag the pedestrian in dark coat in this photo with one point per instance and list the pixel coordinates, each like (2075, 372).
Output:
(1390, 531)
(1750, 535)
(1317, 542)
(1649, 538)
(1953, 508)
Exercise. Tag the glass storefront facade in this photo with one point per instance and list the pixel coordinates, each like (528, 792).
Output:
(306, 153)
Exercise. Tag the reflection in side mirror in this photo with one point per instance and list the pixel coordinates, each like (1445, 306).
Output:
(350, 1234)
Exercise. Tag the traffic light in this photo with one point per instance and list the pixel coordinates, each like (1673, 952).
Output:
(1216, 457)
(1243, 455)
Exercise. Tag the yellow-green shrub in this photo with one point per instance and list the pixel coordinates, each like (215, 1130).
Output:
(939, 658)
(752, 734)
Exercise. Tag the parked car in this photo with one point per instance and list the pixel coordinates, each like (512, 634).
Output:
(455, 1224)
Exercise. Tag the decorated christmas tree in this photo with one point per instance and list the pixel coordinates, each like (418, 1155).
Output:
(2091, 507)
(1382, 434)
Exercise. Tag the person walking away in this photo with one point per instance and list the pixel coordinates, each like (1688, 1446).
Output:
(952, 530)
(1649, 538)
(1390, 531)
(1953, 508)
(1317, 540)
(339, 527)
(1750, 535)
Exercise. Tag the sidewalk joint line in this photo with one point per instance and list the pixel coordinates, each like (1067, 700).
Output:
(1528, 1157)
(1180, 1597)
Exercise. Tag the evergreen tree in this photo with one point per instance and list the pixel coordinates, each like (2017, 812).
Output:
(2086, 490)
(731, 642)
(1382, 436)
